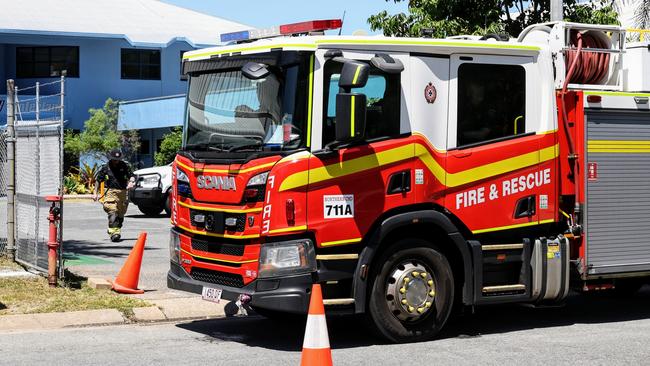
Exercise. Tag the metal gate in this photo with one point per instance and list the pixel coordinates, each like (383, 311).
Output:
(38, 135)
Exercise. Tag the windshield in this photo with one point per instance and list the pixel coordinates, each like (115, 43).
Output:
(226, 111)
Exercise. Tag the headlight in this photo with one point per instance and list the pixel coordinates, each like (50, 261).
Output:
(181, 176)
(287, 258)
(258, 180)
(174, 247)
(149, 181)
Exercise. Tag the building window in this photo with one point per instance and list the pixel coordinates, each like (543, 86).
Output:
(383, 93)
(145, 148)
(45, 62)
(491, 102)
(140, 64)
(183, 76)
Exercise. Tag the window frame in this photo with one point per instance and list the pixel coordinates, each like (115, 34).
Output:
(184, 77)
(33, 62)
(531, 111)
(140, 64)
(326, 99)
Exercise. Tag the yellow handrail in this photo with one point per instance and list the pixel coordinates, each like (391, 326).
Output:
(642, 32)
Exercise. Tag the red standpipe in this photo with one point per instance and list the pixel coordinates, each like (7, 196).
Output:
(53, 240)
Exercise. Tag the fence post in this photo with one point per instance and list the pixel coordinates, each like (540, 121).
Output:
(61, 172)
(11, 179)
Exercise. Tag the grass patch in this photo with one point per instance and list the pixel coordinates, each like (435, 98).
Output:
(7, 264)
(33, 295)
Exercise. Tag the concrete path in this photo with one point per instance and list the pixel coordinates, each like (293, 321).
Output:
(89, 252)
(167, 306)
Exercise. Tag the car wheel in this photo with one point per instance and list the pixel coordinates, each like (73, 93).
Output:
(150, 210)
(167, 206)
(411, 292)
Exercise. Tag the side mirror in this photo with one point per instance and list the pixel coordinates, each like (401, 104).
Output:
(353, 75)
(350, 116)
(255, 71)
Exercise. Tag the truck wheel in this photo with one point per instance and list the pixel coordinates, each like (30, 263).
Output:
(412, 292)
(150, 210)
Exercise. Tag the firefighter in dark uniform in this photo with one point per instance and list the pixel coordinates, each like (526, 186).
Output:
(117, 178)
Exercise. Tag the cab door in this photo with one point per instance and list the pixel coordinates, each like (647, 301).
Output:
(498, 172)
(352, 186)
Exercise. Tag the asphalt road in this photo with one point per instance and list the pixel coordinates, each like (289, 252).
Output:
(590, 330)
(88, 250)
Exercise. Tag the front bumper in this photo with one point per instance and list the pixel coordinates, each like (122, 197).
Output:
(287, 294)
(147, 196)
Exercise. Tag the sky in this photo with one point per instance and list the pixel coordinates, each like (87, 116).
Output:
(266, 13)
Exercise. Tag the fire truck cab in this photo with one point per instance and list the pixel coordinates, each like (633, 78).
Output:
(410, 176)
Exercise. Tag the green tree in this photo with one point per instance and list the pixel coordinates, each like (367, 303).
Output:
(100, 134)
(169, 146)
(454, 17)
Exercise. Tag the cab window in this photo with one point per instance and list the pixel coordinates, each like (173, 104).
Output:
(491, 102)
(383, 103)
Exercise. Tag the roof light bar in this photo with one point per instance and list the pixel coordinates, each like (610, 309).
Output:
(311, 26)
(283, 30)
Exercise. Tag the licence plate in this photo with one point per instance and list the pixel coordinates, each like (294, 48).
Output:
(211, 294)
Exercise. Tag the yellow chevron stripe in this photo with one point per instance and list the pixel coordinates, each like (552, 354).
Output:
(225, 171)
(289, 229)
(218, 260)
(214, 209)
(618, 146)
(201, 232)
(516, 226)
(340, 242)
(347, 167)
(417, 150)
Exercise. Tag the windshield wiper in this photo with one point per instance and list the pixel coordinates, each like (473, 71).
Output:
(243, 147)
(203, 146)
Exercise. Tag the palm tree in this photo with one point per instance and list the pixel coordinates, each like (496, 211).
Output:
(642, 15)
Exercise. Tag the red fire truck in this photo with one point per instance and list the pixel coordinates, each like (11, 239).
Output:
(413, 176)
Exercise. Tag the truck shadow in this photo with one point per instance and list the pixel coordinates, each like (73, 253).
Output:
(351, 331)
(73, 248)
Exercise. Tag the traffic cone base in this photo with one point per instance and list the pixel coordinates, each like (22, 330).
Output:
(129, 276)
(316, 346)
(125, 290)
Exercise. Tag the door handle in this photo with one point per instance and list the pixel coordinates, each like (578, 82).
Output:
(525, 207)
(461, 155)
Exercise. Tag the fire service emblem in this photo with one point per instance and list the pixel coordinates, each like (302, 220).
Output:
(430, 93)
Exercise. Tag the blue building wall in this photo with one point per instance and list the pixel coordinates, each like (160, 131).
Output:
(99, 72)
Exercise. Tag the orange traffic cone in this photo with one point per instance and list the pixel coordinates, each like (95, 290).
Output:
(316, 346)
(127, 280)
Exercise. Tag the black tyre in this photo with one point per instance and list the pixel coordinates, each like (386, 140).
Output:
(167, 206)
(150, 210)
(411, 292)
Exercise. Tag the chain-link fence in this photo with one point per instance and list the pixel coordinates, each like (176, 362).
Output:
(38, 166)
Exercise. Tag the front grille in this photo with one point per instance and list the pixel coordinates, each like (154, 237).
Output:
(218, 278)
(218, 248)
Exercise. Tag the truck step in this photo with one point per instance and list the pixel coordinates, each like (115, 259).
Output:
(343, 301)
(490, 247)
(504, 288)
